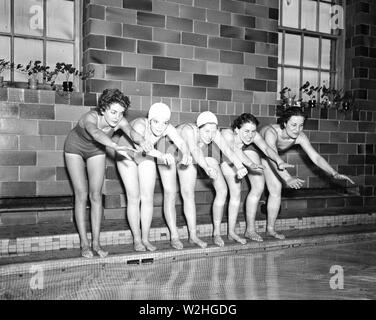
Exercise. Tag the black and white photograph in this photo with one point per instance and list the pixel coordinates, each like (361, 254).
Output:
(188, 157)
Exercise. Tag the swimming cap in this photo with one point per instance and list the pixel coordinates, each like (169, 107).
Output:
(159, 110)
(206, 117)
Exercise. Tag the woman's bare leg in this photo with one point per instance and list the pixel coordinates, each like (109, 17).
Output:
(169, 182)
(129, 174)
(219, 201)
(77, 172)
(187, 180)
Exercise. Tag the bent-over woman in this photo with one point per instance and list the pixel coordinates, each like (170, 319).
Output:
(139, 174)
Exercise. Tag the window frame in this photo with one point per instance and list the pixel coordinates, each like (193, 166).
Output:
(336, 69)
(77, 35)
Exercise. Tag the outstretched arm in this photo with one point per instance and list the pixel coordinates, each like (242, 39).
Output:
(137, 137)
(318, 160)
(230, 154)
(270, 153)
(173, 134)
(228, 135)
(292, 182)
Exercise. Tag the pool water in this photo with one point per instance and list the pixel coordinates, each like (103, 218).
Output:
(341, 271)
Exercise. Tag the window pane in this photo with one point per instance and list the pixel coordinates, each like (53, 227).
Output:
(5, 54)
(325, 54)
(312, 77)
(28, 17)
(292, 49)
(34, 52)
(60, 19)
(325, 79)
(59, 52)
(309, 9)
(311, 52)
(290, 13)
(5, 15)
(325, 18)
(292, 80)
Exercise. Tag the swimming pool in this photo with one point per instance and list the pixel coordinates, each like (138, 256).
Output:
(334, 271)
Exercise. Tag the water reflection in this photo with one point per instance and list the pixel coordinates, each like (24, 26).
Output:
(301, 273)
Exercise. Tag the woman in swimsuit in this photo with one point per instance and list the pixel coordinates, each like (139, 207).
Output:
(280, 137)
(241, 137)
(198, 136)
(87, 142)
(139, 173)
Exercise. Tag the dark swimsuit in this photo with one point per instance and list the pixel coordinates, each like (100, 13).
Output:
(80, 142)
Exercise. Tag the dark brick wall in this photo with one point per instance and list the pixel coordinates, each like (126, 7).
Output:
(360, 78)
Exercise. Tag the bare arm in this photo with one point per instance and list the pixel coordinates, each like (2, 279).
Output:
(228, 152)
(188, 136)
(228, 135)
(270, 153)
(318, 160)
(271, 141)
(136, 136)
(173, 134)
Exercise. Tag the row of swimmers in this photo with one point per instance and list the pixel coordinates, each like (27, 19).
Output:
(246, 152)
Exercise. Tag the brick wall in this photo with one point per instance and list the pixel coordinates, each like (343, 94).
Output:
(360, 76)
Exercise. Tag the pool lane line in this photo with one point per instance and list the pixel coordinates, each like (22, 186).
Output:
(186, 253)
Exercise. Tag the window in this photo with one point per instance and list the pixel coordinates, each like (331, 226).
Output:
(45, 30)
(309, 39)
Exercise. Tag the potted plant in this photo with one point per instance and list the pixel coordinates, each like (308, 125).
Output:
(33, 69)
(331, 97)
(310, 91)
(4, 65)
(70, 74)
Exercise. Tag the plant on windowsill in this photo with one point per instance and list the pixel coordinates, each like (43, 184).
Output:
(70, 74)
(4, 65)
(333, 98)
(33, 70)
(311, 92)
(287, 99)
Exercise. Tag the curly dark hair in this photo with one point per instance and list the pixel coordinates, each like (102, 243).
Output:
(244, 118)
(288, 113)
(110, 96)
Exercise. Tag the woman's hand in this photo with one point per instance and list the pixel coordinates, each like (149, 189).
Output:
(256, 166)
(283, 165)
(186, 160)
(342, 177)
(295, 183)
(168, 159)
(241, 172)
(146, 146)
(212, 173)
(123, 151)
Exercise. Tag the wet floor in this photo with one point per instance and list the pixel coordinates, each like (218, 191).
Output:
(342, 271)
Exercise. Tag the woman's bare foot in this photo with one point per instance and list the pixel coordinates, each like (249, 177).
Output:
(271, 232)
(253, 235)
(99, 251)
(197, 241)
(176, 244)
(138, 246)
(218, 241)
(235, 237)
(149, 246)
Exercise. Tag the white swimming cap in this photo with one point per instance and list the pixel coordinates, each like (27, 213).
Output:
(206, 117)
(159, 110)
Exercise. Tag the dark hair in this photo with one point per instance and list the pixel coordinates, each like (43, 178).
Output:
(110, 96)
(244, 118)
(288, 113)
